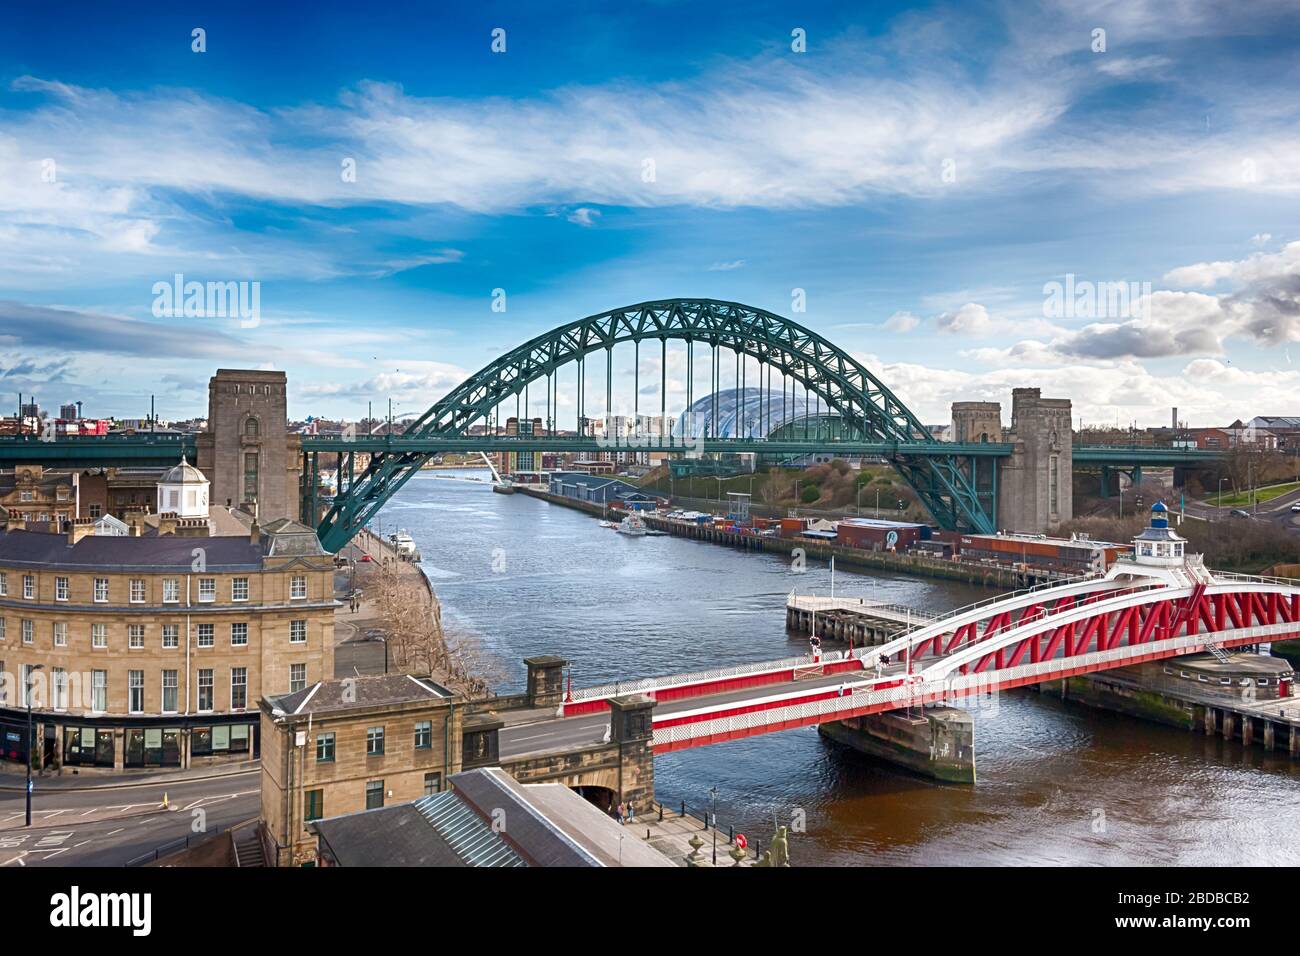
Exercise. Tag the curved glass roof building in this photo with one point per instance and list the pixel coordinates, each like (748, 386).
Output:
(748, 413)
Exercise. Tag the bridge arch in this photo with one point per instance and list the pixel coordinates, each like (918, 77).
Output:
(849, 389)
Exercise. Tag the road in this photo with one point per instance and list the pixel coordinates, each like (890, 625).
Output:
(1278, 511)
(108, 827)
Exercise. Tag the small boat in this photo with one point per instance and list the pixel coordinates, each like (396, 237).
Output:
(405, 545)
(608, 524)
(633, 525)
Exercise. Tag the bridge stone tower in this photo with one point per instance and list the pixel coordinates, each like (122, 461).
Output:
(1034, 484)
(247, 452)
(977, 421)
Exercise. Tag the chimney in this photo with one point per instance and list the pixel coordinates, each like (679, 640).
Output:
(167, 523)
(255, 533)
(15, 522)
(78, 528)
(1175, 418)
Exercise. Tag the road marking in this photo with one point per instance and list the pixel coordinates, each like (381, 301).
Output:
(118, 830)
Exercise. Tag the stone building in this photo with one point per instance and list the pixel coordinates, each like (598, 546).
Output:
(151, 649)
(1034, 491)
(247, 451)
(339, 746)
(32, 493)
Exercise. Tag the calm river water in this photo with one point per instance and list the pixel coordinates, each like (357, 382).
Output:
(1058, 783)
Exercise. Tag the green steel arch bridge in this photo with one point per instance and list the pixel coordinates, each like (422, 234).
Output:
(946, 476)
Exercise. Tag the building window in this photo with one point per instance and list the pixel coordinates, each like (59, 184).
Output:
(423, 734)
(315, 808)
(250, 476)
(4, 584)
(239, 634)
(29, 698)
(239, 589)
(96, 511)
(207, 590)
(238, 688)
(99, 635)
(207, 635)
(374, 794)
(297, 587)
(171, 590)
(25, 495)
(297, 632)
(171, 635)
(1051, 485)
(375, 742)
(251, 427)
(324, 748)
(101, 590)
(2, 635)
(297, 677)
(137, 590)
(60, 683)
(135, 690)
(29, 586)
(170, 687)
(29, 631)
(99, 691)
(60, 634)
(205, 689)
(432, 783)
(60, 589)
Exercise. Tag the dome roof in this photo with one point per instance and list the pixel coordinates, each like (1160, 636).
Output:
(183, 474)
(1159, 506)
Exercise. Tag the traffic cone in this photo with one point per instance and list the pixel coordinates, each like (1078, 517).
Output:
(166, 802)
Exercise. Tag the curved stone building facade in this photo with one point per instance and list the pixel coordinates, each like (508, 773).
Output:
(153, 650)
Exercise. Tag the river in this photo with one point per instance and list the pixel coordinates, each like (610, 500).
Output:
(1057, 783)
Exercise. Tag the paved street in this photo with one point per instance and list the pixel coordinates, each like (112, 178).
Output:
(108, 827)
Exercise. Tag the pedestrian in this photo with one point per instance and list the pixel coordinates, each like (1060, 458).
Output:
(631, 814)
(880, 667)
(621, 812)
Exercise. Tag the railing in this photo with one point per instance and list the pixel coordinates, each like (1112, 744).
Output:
(951, 687)
(704, 816)
(1233, 576)
(181, 843)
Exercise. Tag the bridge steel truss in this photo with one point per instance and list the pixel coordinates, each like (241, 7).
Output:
(849, 389)
(1046, 633)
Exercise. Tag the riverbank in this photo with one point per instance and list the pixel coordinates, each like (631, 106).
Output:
(1001, 578)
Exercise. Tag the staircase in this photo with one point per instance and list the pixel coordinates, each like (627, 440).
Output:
(248, 846)
(1219, 653)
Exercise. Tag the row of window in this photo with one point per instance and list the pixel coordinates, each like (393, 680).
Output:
(314, 800)
(98, 697)
(374, 741)
(205, 635)
(138, 589)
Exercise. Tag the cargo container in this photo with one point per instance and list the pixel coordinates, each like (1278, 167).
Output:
(872, 534)
(1074, 555)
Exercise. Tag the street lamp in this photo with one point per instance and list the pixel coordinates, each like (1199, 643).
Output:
(713, 792)
(27, 692)
(1220, 501)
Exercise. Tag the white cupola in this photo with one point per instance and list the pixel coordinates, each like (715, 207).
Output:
(183, 490)
(1159, 545)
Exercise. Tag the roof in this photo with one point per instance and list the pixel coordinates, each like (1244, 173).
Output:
(878, 523)
(359, 692)
(183, 474)
(291, 539)
(552, 825)
(125, 553)
(437, 830)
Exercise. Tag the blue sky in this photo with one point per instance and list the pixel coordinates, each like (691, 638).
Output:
(921, 172)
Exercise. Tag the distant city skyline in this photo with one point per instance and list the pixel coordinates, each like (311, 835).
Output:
(1099, 200)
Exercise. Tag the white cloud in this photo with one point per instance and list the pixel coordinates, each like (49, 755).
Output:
(971, 319)
(902, 322)
(584, 216)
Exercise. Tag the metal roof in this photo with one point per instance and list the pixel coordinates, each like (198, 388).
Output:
(472, 840)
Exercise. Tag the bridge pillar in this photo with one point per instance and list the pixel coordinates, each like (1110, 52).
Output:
(545, 680)
(631, 729)
(1035, 493)
(937, 742)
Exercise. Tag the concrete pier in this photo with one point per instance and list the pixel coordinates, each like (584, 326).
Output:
(854, 621)
(936, 742)
(1199, 693)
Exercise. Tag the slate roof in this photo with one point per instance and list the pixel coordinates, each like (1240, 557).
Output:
(125, 553)
(359, 692)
